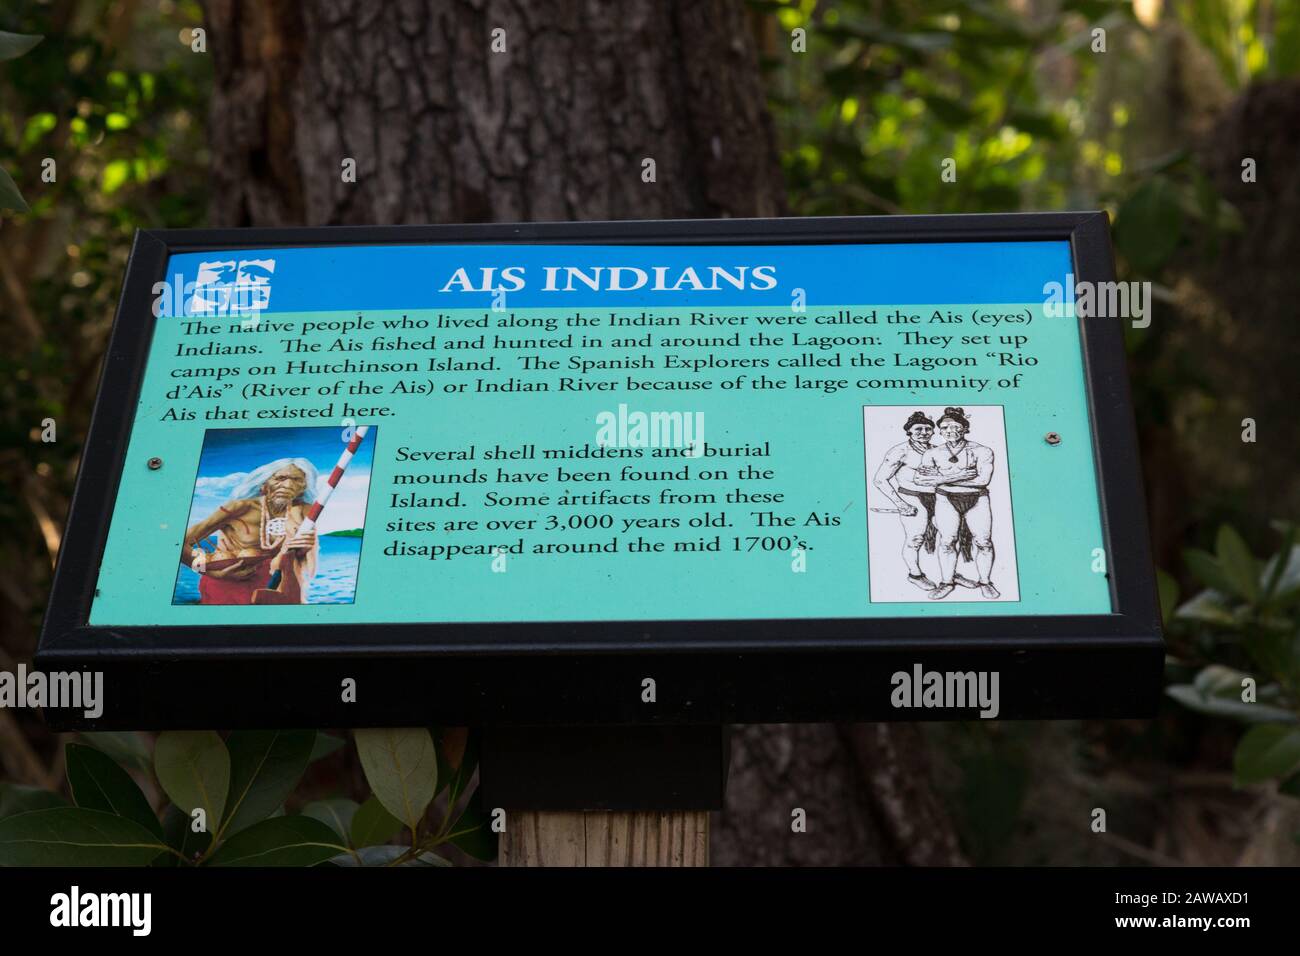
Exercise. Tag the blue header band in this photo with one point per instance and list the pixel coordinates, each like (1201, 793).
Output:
(559, 276)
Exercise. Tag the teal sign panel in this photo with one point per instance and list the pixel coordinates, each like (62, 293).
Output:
(569, 433)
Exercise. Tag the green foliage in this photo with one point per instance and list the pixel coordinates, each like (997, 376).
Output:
(887, 92)
(265, 765)
(402, 769)
(280, 841)
(193, 767)
(189, 846)
(325, 745)
(97, 783)
(1248, 39)
(12, 46)
(16, 798)
(1217, 690)
(1248, 611)
(338, 814)
(1150, 225)
(1163, 209)
(473, 832)
(75, 836)
(243, 782)
(128, 749)
(10, 197)
(110, 88)
(388, 856)
(373, 824)
(1266, 752)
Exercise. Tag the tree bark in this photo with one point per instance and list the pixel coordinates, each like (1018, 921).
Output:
(443, 129)
(556, 127)
(1255, 277)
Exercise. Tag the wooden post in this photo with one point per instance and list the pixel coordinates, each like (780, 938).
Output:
(605, 838)
(645, 792)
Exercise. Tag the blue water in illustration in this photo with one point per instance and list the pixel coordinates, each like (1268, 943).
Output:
(335, 581)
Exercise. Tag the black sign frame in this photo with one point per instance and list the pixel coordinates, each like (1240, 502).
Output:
(578, 673)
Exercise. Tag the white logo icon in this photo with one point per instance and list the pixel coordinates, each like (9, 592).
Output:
(225, 286)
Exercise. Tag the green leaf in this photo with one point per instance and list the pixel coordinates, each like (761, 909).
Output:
(457, 751)
(324, 745)
(1149, 226)
(193, 767)
(280, 841)
(1207, 569)
(1164, 162)
(1290, 786)
(1237, 562)
(75, 836)
(1265, 752)
(402, 769)
(115, 175)
(385, 855)
(1216, 680)
(14, 45)
(1222, 706)
(373, 824)
(1281, 574)
(917, 40)
(427, 858)
(16, 798)
(10, 197)
(1168, 589)
(948, 111)
(179, 830)
(1207, 607)
(125, 747)
(468, 765)
(265, 766)
(369, 856)
(98, 783)
(336, 814)
(1039, 124)
(473, 833)
(1217, 690)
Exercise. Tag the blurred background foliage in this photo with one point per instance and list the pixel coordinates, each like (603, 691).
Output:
(1147, 109)
(114, 99)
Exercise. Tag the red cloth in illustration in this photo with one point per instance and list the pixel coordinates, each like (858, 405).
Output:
(226, 591)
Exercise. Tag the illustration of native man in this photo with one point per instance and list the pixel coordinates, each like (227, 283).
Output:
(959, 470)
(915, 502)
(258, 544)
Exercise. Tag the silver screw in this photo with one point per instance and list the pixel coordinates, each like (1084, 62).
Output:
(1052, 438)
(155, 464)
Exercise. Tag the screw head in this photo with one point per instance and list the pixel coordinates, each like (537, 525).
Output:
(1052, 438)
(155, 464)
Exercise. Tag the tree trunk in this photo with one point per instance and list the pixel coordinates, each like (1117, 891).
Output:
(557, 126)
(1256, 279)
(443, 129)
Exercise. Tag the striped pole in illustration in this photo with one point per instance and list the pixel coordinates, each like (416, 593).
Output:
(271, 594)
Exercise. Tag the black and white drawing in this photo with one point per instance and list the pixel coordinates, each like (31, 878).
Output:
(939, 524)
